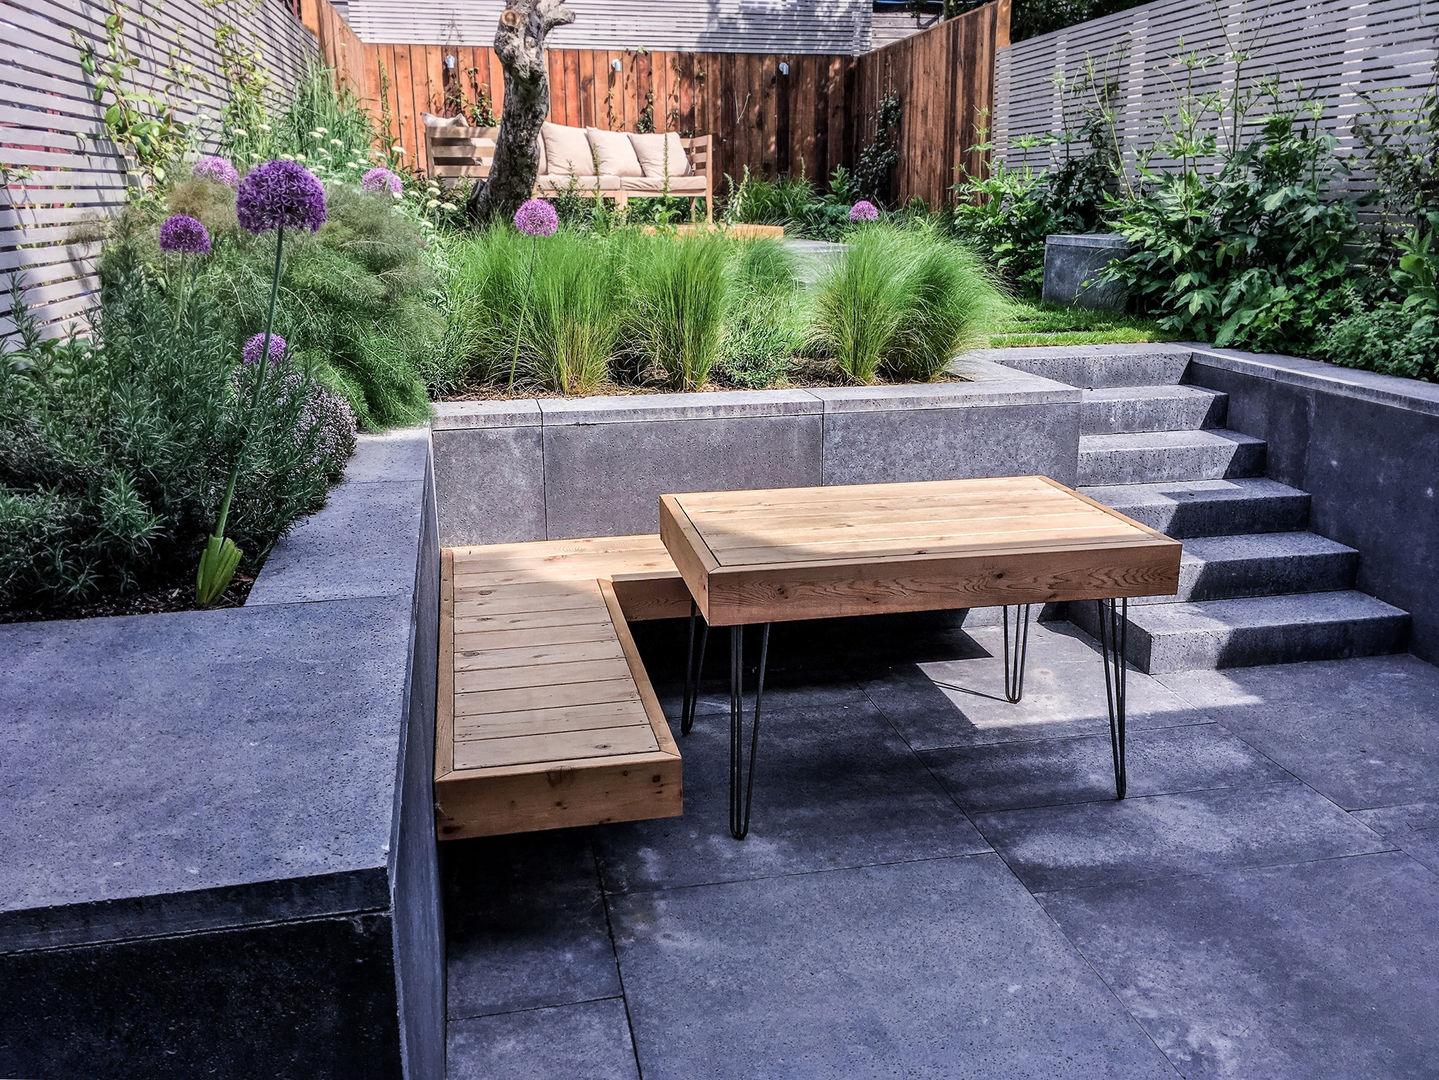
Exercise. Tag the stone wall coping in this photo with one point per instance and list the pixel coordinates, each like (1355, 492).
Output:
(1393, 390)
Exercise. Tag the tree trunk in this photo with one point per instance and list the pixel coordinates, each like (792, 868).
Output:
(520, 45)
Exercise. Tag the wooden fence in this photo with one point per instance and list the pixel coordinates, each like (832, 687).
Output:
(1334, 51)
(57, 168)
(775, 113)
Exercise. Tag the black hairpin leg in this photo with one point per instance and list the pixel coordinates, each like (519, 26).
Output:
(741, 777)
(1113, 635)
(1014, 671)
(693, 669)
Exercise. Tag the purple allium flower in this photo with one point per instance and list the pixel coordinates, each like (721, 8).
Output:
(256, 346)
(184, 235)
(380, 179)
(537, 218)
(280, 195)
(213, 167)
(864, 210)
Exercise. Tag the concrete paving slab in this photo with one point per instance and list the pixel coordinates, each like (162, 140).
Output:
(834, 787)
(1049, 772)
(944, 968)
(1325, 969)
(589, 1041)
(1116, 842)
(1363, 732)
(525, 924)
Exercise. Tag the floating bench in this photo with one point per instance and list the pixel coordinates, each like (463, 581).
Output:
(546, 718)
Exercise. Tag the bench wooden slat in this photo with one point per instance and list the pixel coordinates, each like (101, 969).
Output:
(556, 746)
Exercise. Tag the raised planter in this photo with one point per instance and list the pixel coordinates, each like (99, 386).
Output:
(561, 468)
(1072, 261)
(219, 853)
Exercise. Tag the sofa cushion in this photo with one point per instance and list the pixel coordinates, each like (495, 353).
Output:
(567, 150)
(658, 185)
(563, 183)
(614, 155)
(653, 149)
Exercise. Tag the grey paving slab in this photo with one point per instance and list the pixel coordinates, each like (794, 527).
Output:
(1414, 829)
(944, 968)
(650, 408)
(1114, 842)
(481, 414)
(1363, 732)
(490, 485)
(1048, 772)
(574, 1042)
(395, 455)
(834, 787)
(960, 702)
(198, 755)
(525, 924)
(1323, 969)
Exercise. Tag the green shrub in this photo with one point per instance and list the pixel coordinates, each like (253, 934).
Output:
(768, 325)
(114, 453)
(1005, 217)
(679, 294)
(794, 203)
(902, 304)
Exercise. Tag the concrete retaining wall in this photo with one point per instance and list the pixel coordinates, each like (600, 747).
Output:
(554, 469)
(219, 855)
(1366, 447)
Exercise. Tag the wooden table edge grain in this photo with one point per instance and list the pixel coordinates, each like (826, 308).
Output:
(837, 586)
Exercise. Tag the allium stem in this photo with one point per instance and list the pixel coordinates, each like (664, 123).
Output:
(259, 384)
(524, 308)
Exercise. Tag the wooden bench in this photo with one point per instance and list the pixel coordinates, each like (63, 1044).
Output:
(546, 718)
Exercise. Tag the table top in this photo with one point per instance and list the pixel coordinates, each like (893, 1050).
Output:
(801, 553)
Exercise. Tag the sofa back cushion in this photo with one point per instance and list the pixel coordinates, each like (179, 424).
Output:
(653, 150)
(614, 156)
(567, 151)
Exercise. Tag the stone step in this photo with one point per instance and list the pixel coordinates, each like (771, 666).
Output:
(1102, 365)
(1119, 409)
(1161, 456)
(1185, 509)
(1257, 630)
(1263, 564)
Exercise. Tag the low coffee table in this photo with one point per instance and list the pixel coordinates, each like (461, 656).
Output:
(760, 557)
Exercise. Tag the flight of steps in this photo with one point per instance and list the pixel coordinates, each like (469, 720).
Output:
(1255, 586)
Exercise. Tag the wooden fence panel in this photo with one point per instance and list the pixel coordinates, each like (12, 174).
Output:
(57, 169)
(1333, 51)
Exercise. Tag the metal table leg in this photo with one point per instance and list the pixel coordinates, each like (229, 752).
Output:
(741, 778)
(1113, 635)
(1014, 671)
(693, 669)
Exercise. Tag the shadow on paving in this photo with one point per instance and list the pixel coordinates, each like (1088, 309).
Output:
(939, 883)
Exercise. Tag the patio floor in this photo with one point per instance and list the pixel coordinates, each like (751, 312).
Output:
(940, 884)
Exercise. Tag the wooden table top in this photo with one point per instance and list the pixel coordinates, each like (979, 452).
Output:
(803, 553)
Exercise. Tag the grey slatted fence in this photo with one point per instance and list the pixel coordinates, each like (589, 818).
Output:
(57, 169)
(1332, 51)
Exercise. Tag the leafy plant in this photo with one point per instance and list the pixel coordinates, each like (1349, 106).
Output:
(874, 171)
(1006, 216)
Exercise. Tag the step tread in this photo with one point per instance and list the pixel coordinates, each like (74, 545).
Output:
(1163, 392)
(1165, 440)
(1242, 489)
(1248, 547)
(1258, 612)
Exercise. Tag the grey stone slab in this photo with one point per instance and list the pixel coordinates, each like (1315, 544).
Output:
(606, 479)
(1153, 457)
(959, 700)
(944, 968)
(396, 455)
(1150, 408)
(1259, 564)
(975, 393)
(1071, 271)
(575, 1042)
(1324, 969)
(951, 443)
(1410, 394)
(363, 542)
(834, 786)
(525, 924)
(1049, 772)
(654, 408)
(1364, 732)
(490, 485)
(1414, 829)
(1110, 843)
(455, 415)
(1185, 509)
(182, 756)
(1090, 366)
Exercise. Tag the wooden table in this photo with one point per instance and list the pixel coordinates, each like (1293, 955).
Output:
(761, 557)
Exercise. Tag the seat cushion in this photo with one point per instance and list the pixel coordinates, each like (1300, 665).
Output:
(614, 155)
(653, 150)
(567, 150)
(562, 183)
(657, 185)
